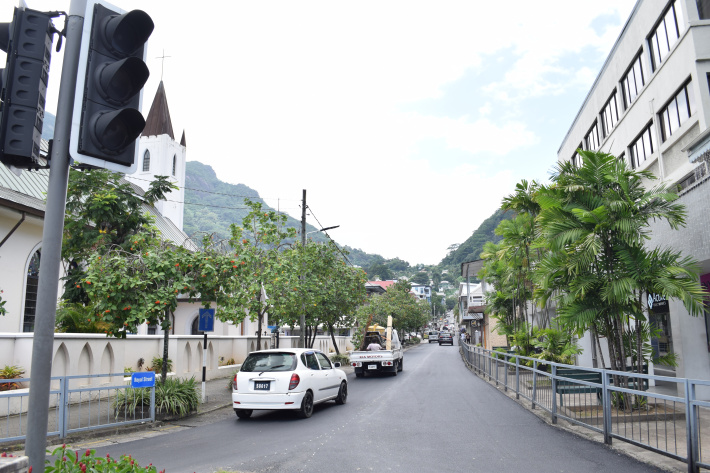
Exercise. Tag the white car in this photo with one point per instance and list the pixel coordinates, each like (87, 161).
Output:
(294, 379)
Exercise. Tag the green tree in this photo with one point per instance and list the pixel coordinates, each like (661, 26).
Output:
(595, 221)
(103, 210)
(380, 269)
(420, 278)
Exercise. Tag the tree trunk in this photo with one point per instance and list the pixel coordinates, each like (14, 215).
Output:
(258, 335)
(331, 329)
(166, 341)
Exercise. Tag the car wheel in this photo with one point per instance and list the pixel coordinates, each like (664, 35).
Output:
(342, 394)
(306, 409)
(400, 367)
(243, 413)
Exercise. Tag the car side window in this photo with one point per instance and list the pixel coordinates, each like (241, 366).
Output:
(309, 359)
(324, 361)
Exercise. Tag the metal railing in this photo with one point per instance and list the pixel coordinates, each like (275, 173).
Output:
(76, 403)
(621, 405)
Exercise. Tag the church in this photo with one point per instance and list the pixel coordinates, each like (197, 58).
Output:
(22, 209)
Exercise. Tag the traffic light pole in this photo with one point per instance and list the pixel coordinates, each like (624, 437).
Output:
(43, 343)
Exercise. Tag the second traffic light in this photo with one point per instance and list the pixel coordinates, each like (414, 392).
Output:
(112, 72)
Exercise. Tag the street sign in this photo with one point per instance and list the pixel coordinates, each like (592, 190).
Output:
(206, 323)
(145, 379)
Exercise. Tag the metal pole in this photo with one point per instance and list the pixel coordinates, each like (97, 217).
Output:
(204, 367)
(302, 338)
(43, 342)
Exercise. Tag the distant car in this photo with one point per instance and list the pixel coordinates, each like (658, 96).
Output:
(292, 379)
(433, 336)
(445, 337)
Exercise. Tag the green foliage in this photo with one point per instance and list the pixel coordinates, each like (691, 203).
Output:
(420, 278)
(174, 397)
(158, 365)
(77, 318)
(341, 358)
(3, 310)
(76, 461)
(10, 372)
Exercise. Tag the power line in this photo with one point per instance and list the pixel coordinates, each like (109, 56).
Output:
(326, 234)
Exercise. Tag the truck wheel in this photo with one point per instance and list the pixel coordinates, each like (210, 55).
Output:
(306, 409)
(243, 413)
(394, 373)
(342, 394)
(400, 366)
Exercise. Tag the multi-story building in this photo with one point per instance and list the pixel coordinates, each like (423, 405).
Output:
(650, 106)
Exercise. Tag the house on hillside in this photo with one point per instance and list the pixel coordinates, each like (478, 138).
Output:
(422, 291)
(650, 106)
(472, 308)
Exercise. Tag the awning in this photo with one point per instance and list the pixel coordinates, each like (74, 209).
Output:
(473, 316)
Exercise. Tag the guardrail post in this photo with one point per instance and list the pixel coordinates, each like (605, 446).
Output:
(63, 406)
(505, 372)
(496, 363)
(691, 428)
(517, 377)
(606, 408)
(554, 394)
(152, 403)
(534, 394)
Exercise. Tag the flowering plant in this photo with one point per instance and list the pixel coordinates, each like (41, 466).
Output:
(74, 461)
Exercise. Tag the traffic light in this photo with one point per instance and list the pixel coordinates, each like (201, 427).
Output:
(111, 75)
(23, 82)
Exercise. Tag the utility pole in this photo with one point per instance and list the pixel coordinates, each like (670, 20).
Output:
(302, 338)
(48, 289)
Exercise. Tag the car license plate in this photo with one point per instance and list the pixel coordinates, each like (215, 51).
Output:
(262, 385)
(371, 367)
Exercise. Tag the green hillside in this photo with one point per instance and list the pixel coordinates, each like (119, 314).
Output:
(470, 249)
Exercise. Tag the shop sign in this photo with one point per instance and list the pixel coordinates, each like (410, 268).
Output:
(657, 303)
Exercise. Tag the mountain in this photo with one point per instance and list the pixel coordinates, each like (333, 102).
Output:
(470, 249)
(212, 205)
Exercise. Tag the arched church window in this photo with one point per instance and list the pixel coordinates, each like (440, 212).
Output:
(146, 161)
(31, 284)
(195, 325)
(174, 163)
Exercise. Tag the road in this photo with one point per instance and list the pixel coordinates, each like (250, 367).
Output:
(434, 416)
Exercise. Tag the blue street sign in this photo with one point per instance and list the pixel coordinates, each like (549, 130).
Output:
(206, 323)
(145, 379)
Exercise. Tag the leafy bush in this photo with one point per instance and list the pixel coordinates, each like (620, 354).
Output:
(68, 460)
(158, 364)
(10, 372)
(341, 358)
(177, 397)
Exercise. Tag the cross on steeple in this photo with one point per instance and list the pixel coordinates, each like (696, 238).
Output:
(162, 63)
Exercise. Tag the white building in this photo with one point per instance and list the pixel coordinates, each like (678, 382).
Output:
(650, 105)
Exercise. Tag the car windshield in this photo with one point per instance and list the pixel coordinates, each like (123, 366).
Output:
(269, 362)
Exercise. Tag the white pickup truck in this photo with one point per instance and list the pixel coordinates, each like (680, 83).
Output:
(378, 361)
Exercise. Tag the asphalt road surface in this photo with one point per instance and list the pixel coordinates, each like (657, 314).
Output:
(435, 416)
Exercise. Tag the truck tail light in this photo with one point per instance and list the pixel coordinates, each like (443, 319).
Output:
(356, 364)
(294, 382)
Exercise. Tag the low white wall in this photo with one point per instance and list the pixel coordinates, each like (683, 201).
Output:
(89, 354)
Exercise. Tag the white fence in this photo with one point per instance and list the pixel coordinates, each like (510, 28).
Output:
(89, 354)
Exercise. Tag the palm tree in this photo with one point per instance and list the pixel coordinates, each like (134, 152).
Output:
(595, 221)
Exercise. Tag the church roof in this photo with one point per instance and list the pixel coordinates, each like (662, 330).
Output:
(182, 140)
(158, 121)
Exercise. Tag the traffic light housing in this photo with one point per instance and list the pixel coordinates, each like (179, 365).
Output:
(23, 83)
(107, 120)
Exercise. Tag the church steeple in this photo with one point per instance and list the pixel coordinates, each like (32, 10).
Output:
(158, 121)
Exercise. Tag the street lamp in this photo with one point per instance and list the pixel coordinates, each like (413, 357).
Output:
(302, 337)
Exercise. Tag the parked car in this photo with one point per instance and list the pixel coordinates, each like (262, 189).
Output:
(292, 379)
(445, 337)
(433, 336)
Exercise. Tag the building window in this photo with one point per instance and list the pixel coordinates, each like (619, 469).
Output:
(28, 324)
(146, 161)
(643, 147)
(677, 111)
(633, 81)
(591, 140)
(704, 14)
(610, 115)
(174, 163)
(666, 34)
(576, 158)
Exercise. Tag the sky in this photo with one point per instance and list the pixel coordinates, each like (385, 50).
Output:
(406, 122)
